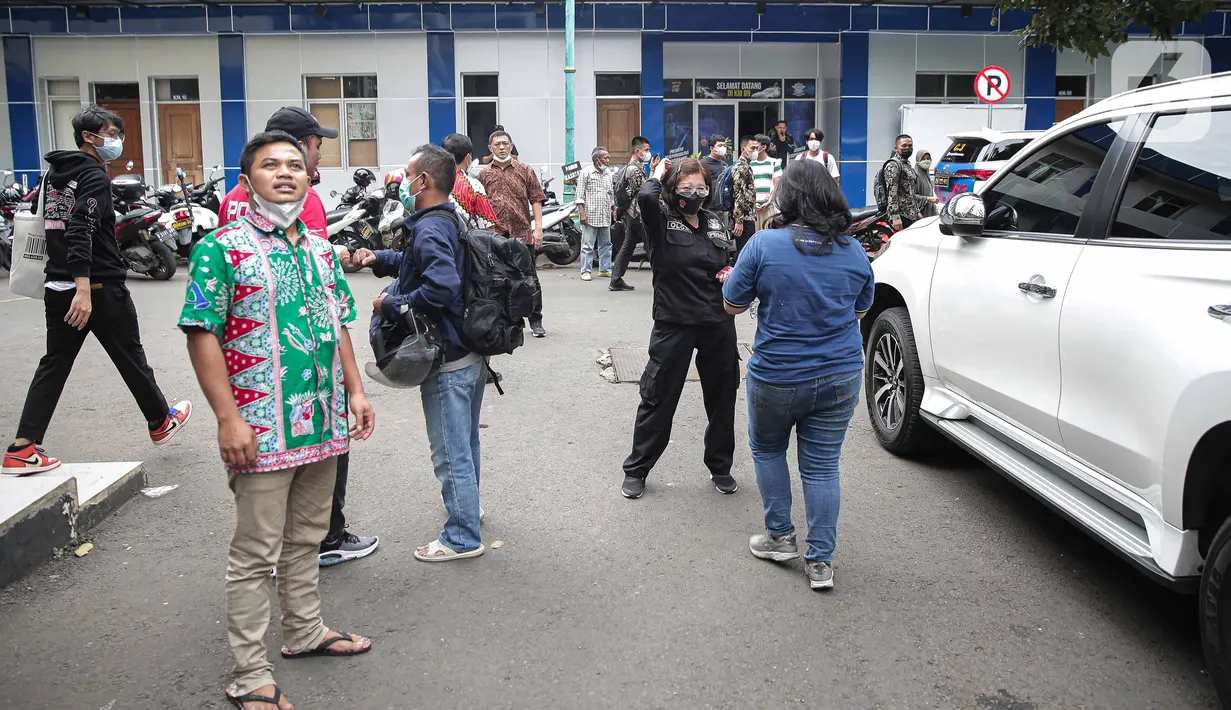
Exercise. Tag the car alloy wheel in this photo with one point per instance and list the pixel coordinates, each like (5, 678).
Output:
(888, 381)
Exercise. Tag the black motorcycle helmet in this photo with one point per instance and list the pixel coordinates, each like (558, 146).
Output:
(408, 350)
(364, 177)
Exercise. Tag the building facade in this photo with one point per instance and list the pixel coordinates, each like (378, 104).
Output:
(193, 82)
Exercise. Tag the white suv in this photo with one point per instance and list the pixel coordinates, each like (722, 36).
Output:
(1070, 324)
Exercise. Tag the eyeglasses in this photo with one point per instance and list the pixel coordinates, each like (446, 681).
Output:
(693, 192)
(114, 135)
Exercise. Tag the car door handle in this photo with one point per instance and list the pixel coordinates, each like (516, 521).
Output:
(1220, 312)
(1037, 289)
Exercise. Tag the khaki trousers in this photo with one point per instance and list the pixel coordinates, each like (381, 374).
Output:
(763, 219)
(281, 519)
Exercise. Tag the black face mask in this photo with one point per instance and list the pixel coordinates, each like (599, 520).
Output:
(690, 204)
(907, 152)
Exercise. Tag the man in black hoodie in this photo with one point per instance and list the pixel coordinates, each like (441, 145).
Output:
(86, 293)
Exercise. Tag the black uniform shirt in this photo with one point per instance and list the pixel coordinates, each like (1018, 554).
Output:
(685, 261)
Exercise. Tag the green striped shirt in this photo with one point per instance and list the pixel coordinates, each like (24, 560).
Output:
(763, 174)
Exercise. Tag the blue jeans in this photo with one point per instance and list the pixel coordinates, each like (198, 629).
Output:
(820, 411)
(451, 404)
(589, 235)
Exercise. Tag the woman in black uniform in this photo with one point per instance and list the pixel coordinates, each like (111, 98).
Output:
(688, 248)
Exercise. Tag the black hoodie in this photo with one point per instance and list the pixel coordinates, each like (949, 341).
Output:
(80, 220)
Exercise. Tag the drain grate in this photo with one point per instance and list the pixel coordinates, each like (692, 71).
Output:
(629, 363)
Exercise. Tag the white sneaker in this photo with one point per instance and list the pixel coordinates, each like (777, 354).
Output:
(585, 276)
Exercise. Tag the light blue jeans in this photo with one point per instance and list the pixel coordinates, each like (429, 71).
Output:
(590, 235)
(451, 404)
(820, 412)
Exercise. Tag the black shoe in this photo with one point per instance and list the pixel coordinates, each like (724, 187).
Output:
(493, 377)
(536, 329)
(725, 484)
(619, 285)
(633, 487)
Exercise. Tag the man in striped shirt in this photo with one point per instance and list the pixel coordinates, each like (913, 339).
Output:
(766, 172)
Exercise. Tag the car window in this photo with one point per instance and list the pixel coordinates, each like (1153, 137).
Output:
(1004, 150)
(1045, 193)
(1180, 185)
(964, 150)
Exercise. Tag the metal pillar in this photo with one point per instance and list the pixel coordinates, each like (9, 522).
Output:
(569, 72)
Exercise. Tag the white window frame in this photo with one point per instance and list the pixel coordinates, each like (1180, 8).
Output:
(467, 100)
(50, 101)
(343, 125)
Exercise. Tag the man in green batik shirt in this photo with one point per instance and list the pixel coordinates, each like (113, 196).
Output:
(265, 315)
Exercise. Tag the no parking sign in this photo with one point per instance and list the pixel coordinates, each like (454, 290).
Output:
(992, 84)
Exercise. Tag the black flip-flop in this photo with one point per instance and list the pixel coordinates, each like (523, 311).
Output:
(239, 700)
(323, 649)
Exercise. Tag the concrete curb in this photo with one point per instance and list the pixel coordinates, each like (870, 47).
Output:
(44, 512)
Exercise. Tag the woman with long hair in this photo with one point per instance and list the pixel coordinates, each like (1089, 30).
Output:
(814, 284)
(690, 250)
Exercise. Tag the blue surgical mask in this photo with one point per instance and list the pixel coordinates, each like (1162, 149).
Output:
(110, 149)
(406, 196)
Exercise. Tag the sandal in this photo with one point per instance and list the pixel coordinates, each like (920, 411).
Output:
(239, 700)
(436, 552)
(323, 649)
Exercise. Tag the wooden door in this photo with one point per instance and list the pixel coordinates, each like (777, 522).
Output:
(619, 122)
(1066, 108)
(179, 141)
(130, 112)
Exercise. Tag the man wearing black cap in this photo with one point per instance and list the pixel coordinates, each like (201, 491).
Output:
(339, 545)
(310, 133)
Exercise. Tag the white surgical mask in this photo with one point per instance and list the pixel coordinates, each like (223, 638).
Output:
(505, 159)
(721, 151)
(925, 164)
(814, 145)
(282, 214)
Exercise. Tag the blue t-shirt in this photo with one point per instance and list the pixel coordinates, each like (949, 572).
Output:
(806, 324)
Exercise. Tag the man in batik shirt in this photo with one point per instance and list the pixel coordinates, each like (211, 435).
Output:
(265, 316)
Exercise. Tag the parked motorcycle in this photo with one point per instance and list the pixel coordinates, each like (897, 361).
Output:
(871, 228)
(147, 246)
(189, 211)
(12, 198)
(561, 236)
(355, 222)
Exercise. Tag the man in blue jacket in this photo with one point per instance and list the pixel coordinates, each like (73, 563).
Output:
(429, 280)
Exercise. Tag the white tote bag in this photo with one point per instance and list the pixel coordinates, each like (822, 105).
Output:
(29, 250)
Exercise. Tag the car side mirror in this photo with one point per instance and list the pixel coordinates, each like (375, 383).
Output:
(963, 216)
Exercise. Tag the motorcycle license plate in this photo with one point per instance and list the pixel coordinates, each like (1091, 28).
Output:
(942, 181)
(181, 224)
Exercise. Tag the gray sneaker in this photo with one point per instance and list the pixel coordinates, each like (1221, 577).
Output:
(820, 575)
(346, 548)
(778, 548)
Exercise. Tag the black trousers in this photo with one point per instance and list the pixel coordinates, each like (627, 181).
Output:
(634, 234)
(750, 228)
(671, 348)
(536, 316)
(337, 520)
(113, 321)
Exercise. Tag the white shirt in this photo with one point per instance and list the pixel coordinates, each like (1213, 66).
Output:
(824, 158)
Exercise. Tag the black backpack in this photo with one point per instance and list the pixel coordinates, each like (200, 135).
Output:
(880, 190)
(498, 288)
(623, 199)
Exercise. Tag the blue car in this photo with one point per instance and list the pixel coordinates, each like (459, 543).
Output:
(975, 156)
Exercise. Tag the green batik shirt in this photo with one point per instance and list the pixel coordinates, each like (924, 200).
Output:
(278, 313)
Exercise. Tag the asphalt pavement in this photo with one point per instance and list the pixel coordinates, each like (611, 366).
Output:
(953, 588)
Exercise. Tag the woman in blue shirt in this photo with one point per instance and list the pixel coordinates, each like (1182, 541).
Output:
(813, 284)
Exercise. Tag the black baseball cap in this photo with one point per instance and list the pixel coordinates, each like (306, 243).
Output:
(299, 123)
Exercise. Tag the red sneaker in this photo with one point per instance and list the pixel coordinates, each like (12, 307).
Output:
(28, 461)
(177, 417)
